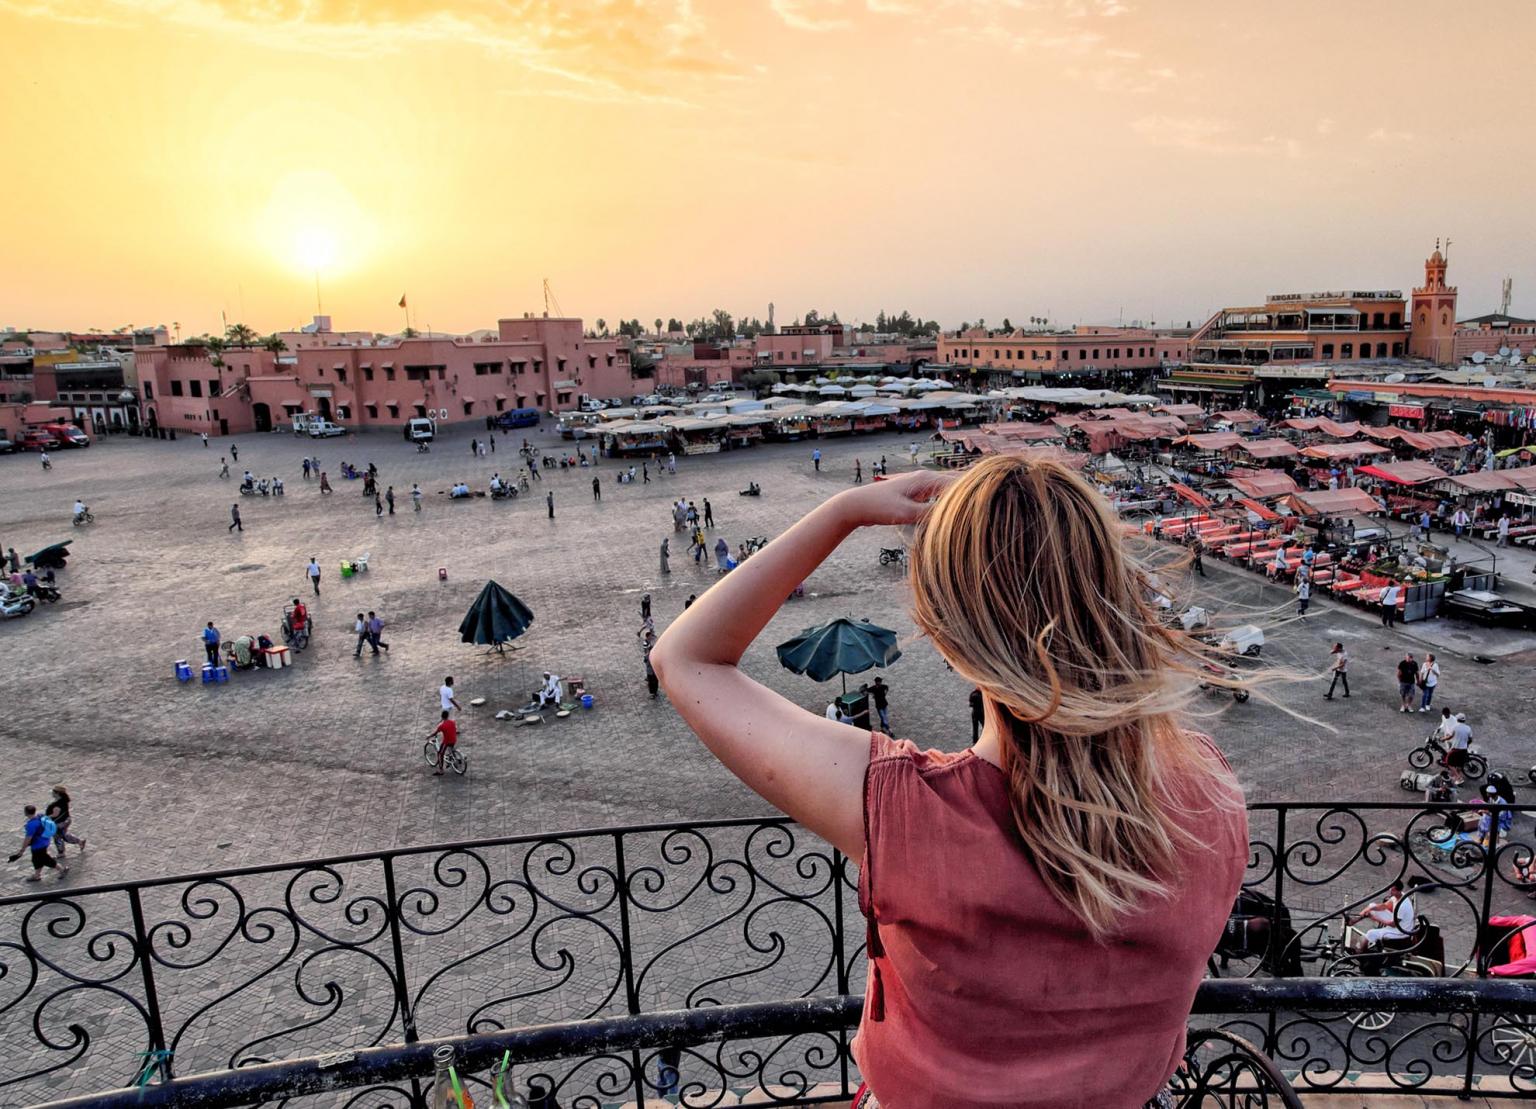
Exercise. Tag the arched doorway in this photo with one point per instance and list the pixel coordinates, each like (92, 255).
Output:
(262, 414)
(325, 407)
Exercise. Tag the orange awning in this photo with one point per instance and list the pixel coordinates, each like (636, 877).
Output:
(1188, 494)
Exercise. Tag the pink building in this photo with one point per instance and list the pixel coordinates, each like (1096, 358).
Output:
(532, 362)
(1081, 350)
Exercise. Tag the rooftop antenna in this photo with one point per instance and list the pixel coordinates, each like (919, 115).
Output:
(1447, 248)
(549, 298)
(1509, 287)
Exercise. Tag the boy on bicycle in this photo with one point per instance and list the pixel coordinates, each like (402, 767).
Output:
(448, 731)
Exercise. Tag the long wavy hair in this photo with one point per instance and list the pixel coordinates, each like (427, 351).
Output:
(1021, 577)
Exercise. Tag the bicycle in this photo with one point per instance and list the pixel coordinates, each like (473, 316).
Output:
(453, 759)
(1434, 749)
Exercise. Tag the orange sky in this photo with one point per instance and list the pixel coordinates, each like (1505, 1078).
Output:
(171, 159)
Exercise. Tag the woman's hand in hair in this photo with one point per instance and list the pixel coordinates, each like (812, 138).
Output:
(898, 501)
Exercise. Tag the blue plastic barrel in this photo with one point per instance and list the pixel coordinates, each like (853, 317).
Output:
(586, 700)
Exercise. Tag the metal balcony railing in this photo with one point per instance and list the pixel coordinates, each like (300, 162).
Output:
(592, 957)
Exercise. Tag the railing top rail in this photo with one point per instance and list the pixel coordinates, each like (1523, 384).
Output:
(687, 1027)
(1322, 807)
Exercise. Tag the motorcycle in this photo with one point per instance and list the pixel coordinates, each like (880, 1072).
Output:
(251, 489)
(889, 555)
(13, 605)
(84, 518)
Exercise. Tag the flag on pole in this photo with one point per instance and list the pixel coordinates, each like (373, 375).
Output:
(402, 300)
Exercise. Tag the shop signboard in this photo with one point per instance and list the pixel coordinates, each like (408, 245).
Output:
(1406, 411)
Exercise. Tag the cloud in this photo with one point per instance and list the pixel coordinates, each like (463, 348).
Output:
(1210, 136)
(623, 46)
(812, 15)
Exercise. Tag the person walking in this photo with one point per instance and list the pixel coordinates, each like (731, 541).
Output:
(816, 459)
(211, 643)
(58, 811)
(493, 444)
(325, 484)
(389, 499)
(1340, 669)
(549, 503)
(234, 518)
(360, 628)
(666, 554)
(1429, 679)
(1303, 593)
(445, 698)
(42, 456)
(37, 836)
(645, 607)
(474, 448)
(1407, 681)
(1389, 597)
(1197, 551)
(858, 472)
(1459, 521)
(1503, 530)
(205, 440)
(709, 514)
(415, 497)
(223, 466)
(313, 572)
(13, 559)
(597, 489)
(306, 469)
(376, 631)
(234, 452)
(378, 504)
(879, 693)
(645, 473)
(722, 554)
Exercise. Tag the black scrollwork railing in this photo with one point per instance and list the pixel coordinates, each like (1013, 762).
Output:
(107, 986)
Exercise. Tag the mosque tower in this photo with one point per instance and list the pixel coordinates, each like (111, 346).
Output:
(1433, 324)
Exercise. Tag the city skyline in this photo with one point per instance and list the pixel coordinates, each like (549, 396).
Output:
(182, 160)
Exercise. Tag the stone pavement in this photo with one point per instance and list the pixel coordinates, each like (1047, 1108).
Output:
(325, 757)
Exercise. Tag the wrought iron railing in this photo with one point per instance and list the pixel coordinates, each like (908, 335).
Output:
(256, 967)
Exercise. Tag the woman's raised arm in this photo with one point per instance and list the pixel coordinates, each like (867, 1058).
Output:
(805, 765)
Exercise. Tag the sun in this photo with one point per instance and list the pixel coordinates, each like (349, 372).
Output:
(312, 224)
(315, 248)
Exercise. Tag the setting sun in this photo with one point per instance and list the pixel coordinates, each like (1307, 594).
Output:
(315, 248)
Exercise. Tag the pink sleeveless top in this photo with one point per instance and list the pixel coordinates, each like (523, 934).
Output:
(983, 990)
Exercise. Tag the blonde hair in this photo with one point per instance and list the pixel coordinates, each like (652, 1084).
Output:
(1021, 578)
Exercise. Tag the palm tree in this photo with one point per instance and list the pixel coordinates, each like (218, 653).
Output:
(657, 322)
(274, 343)
(239, 335)
(602, 326)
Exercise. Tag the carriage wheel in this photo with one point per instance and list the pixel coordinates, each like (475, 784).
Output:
(1464, 856)
(1367, 1020)
(1420, 759)
(1240, 695)
(1513, 1043)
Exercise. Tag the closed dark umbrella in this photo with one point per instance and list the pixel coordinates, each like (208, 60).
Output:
(496, 617)
(843, 647)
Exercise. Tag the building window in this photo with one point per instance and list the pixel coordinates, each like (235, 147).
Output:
(149, 391)
(1327, 350)
(367, 375)
(417, 373)
(213, 387)
(342, 412)
(341, 376)
(1396, 320)
(1347, 350)
(1397, 350)
(1423, 319)
(1445, 319)
(1378, 321)
(373, 410)
(196, 387)
(421, 410)
(1381, 350)
(1095, 354)
(469, 407)
(389, 375)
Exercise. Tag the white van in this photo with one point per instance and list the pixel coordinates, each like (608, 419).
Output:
(420, 430)
(324, 429)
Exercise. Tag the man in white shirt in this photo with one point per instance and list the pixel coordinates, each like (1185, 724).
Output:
(551, 691)
(1389, 597)
(1461, 743)
(313, 571)
(1460, 520)
(1404, 920)
(445, 698)
(1503, 530)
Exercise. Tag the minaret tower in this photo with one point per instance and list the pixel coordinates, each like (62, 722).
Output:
(1433, 321)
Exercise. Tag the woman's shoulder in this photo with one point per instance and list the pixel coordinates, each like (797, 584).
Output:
(887, 752)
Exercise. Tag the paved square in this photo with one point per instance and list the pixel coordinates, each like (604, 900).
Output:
(325, 757)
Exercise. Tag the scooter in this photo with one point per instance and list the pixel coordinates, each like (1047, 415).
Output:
(84, 518)
(14, 605)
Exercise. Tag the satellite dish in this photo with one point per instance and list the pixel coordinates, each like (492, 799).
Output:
(1479, 357)
(1503, 350)
(1490, 382)
(1394, 379)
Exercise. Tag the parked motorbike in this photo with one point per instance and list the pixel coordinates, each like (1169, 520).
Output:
(15, 604)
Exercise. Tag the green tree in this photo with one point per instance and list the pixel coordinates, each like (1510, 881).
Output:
(1007, 324)
(274, 343)
(239, 335)
(409, 333)
(602, 325)
(724, 325)
(674, 325)
(812, 318)
(657, 322)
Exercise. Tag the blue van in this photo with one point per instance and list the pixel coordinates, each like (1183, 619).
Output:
(518, 417)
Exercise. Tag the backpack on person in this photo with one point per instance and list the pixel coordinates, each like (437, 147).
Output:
(48, 829)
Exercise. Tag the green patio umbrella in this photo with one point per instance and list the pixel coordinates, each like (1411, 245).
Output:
(495, 618)
(845, 646)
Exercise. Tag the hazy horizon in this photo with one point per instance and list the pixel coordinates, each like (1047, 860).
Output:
(172, 160)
